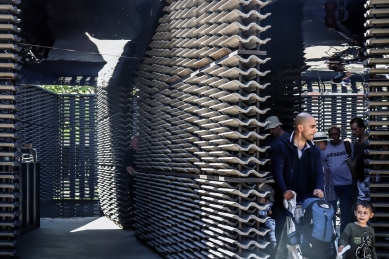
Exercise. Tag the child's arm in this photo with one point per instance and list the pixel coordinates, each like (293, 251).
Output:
(374, 255)
(345, 237)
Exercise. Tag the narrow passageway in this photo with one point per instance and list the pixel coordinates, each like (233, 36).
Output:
(89, 237)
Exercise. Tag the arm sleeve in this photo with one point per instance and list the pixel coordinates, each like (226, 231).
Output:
(352, 150)
(374, 255)
(345, 237)
(318, 170)
(278, 164)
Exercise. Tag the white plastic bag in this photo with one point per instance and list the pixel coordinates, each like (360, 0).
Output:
(294, 251)
(340, 255)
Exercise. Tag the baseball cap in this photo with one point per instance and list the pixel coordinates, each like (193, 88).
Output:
(273, 122)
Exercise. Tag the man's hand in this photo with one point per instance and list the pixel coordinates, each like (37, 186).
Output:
(340, 249)
(318, 193)
(288, 195)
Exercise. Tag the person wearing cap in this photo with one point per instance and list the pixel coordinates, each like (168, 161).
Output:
(337, 154)
(297, 167)
(320, 139)
(276, 133)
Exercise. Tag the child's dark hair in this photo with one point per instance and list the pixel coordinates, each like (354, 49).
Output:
(365, 204)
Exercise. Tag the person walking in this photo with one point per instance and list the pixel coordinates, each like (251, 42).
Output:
(276, 133)
(321, 140)
(336, 153)
(297, 167)
(359, 235)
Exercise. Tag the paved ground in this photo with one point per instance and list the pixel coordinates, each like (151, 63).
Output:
(81, 238)
(91, 237)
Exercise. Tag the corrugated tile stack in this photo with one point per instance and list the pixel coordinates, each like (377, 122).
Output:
(10, 166)
(286, 51)
(62, 128)
(199, 217)
(115, 128)
(201, 125)
(376, 92)
(193, 118)
(333, 108)
(39, 111)
(78, 153)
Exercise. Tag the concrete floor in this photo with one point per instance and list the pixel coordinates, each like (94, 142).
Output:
(91, 237)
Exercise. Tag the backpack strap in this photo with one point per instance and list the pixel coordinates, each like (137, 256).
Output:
(347, 145)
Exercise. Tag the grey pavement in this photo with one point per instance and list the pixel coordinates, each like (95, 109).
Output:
(91, 237)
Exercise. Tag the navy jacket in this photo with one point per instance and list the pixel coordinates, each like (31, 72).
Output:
(283, 159)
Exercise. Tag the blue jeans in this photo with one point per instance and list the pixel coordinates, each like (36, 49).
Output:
(345, 195)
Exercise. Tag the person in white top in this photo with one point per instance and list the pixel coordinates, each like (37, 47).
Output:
(336, 154)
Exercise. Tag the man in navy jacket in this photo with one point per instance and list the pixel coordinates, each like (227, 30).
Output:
(297, 167)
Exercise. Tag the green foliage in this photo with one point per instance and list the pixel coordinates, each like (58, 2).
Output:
(68, 89)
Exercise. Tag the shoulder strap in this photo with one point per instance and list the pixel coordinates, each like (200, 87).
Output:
(348, 148)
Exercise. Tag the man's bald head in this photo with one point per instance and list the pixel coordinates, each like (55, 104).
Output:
(302, 118)
(305, 126)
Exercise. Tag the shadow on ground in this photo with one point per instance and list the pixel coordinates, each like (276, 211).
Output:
(91, 237)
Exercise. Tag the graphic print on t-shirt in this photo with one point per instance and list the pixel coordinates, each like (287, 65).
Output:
(336, 154)
(365, 249)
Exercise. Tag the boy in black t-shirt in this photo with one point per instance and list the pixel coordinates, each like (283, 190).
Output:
(359, 235)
